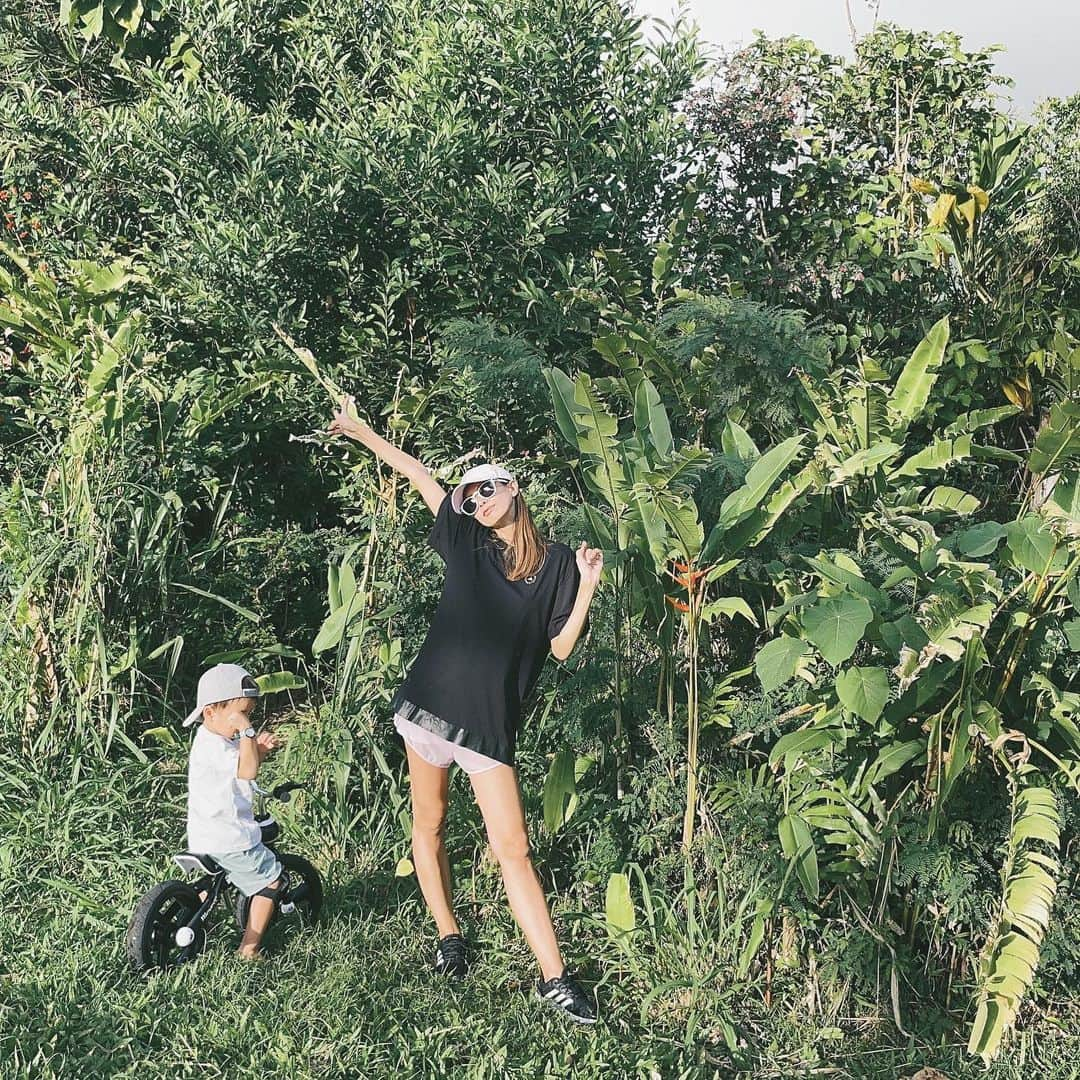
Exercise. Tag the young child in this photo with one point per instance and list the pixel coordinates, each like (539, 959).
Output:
(225, 758)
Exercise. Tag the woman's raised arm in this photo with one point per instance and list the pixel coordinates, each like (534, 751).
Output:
(413, 470)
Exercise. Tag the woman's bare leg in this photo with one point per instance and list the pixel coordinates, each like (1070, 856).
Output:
(499, 797)
(430, 791)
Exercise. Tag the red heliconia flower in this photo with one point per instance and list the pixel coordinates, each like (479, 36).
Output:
(678, 605)
(688, 579)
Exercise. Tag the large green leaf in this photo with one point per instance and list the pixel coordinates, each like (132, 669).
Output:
(346, 585)
(863, 462)
(612, 347)
(835, 625)
(940, 454)
(950, 499)
(559, 787)
(756, 526)
(777, 660)
(868, 413)
(331, 631)
(912, 390)
(608, 480)
(678, 472)
(680, 514)
(561, 387)
(597, 438)
(1034, 547)
(796, 744)
(244, 612)
(762, 910)
(277, 681)
(1013, 955)
(980, 539)
(760, 479)
(863, 691)
(972, 421)
(208, 410)
(737, 444)
(307, 358)
(1059, 440)
(840, 569)
(602, 535)
(1064, 501)
(646, 524)
(618, 905)
(102, 372)
(650, 419)
(892, 758)
(600, 427)
(920, 693)
(729, 606)
(798, 847)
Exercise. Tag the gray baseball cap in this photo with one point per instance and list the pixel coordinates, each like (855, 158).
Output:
(222, 682)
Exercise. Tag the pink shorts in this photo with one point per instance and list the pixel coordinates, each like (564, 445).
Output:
(441, 752)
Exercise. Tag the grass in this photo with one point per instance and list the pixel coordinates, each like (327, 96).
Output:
(354, 997)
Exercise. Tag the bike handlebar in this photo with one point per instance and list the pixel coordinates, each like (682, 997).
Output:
(283, 792)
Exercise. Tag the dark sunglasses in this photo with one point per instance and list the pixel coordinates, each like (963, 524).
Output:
(484, 491)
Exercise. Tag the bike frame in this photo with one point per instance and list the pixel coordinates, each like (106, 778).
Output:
(214, 884)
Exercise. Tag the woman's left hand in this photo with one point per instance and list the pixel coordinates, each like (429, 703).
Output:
(590, 561)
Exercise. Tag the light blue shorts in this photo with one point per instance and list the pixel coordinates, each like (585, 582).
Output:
(250, 870)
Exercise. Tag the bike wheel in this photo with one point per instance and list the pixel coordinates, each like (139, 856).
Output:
(151, 935)
(305, 893)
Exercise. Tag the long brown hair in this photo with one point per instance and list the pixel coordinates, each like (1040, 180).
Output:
(525, 554)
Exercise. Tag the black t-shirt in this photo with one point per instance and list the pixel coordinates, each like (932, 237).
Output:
(489, 638)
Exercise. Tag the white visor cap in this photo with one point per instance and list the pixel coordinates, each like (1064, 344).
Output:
(223, 682)
(477, 474)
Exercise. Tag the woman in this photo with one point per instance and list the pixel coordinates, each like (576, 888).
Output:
(508, 598)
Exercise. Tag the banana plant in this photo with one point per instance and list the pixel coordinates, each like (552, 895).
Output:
(916, 668)
(648, 485)
(956, 219)
(648, 478)
(864, 429)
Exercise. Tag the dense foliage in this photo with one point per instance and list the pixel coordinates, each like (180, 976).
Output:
(793, 338)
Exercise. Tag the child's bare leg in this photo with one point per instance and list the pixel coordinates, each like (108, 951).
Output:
(262, 907)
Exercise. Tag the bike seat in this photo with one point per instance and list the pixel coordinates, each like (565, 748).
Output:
(194, 863)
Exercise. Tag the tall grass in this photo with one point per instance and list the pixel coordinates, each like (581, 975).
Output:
(355, 996)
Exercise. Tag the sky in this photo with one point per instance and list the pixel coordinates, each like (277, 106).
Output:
(1042, 37)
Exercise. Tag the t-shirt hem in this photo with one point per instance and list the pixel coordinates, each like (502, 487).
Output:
(460, 736)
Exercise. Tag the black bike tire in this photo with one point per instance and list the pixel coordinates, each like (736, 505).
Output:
(139, 944)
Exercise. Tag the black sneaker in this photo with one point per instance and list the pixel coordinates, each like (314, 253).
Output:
(451, 957)
(565, 992)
